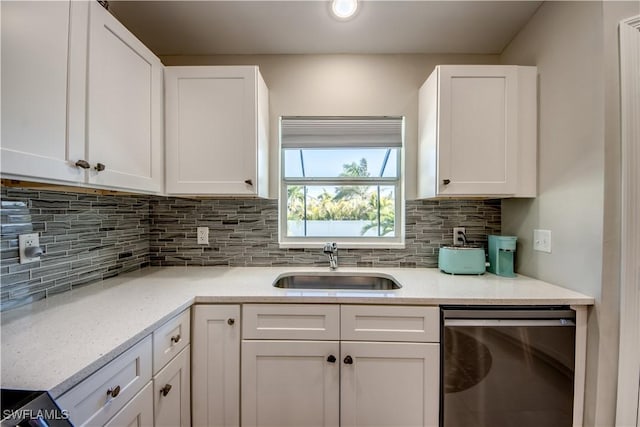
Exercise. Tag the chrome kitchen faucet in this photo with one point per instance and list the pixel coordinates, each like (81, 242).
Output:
(331, 249)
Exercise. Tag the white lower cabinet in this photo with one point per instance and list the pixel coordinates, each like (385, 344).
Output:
(171, 392)
(215, 365)
(389, 384)
(298, 382)
(290, 383)
(147, 385)
(138, 412)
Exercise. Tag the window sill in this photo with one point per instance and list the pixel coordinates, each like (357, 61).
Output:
(342, 244)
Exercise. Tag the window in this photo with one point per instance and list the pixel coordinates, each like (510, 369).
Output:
(341, 180)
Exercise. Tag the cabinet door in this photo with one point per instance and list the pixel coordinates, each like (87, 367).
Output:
(138, 412)
(212, 145)
(389, 384)
(216, 365)
(172, 394)
(124, 101)
(35, 74)
(290, 383)
(477, 130)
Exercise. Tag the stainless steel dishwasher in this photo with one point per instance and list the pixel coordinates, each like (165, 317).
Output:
(507, 366)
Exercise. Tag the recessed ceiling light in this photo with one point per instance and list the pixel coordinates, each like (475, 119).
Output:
(344, 9)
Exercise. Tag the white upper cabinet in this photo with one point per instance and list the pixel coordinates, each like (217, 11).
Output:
(477, 132)
(124, 107)
(217, 124)
(81, 98)
(35, 76)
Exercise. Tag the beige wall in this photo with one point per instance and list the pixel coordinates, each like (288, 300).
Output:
(574, 45)
(342, 85)
(564, 40)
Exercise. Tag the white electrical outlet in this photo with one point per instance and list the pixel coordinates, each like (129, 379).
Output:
(457, 239)
(31, 240)
(542, 240)
(203, 235)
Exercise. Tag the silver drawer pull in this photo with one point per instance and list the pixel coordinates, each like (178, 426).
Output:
(165, 390)
(114, 392)
(176, 338)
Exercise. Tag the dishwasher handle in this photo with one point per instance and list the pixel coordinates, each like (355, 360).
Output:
(492, 323)
(507, 313)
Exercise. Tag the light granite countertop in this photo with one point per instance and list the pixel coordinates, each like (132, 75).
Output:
(55, 343)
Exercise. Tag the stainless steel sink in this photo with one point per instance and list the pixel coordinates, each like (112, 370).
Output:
(331, 280)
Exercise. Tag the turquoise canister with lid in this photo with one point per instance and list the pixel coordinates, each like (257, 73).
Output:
(502, 255)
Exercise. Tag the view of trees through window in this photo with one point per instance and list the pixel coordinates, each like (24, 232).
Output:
(342, 210)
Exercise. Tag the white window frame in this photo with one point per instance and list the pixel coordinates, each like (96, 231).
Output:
(395, 242)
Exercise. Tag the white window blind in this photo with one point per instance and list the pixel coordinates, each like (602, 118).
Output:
(341, 132)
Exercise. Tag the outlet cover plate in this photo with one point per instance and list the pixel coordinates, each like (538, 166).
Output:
(457, 242)
(542, 240)
(27, 241)
(203, 235)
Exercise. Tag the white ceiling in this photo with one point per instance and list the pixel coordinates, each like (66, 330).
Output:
(306, 27)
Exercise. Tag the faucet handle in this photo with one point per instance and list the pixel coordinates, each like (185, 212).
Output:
(330, 247)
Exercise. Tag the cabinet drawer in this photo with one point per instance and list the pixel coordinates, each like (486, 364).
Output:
(291, 321)
(88, 402)
(387, 323)
(170, 338)
(137, 413)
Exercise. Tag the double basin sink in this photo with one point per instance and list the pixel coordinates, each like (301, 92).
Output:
(337, 281)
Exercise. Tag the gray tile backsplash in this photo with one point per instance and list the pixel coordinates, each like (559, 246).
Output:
(85, 238)
(92, 237)
(245, 233)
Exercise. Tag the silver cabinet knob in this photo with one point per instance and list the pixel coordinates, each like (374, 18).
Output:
(231, 322)
(176, 339)
(100, 167)
(248, 182)
(446, 181)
